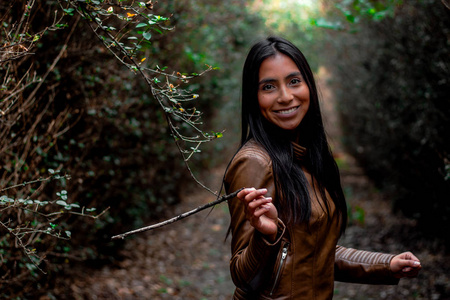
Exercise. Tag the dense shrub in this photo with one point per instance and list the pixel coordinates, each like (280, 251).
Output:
(76, 109)
(393, 76)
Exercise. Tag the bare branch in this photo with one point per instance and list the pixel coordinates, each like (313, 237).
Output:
(179, 217)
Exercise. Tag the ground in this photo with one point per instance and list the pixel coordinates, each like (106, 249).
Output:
(190, 258)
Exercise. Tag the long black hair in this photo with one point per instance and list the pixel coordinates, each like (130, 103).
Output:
(291, 185)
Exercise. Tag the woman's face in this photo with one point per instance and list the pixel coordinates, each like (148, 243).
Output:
(283, 95)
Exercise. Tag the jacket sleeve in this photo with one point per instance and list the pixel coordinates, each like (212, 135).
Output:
(358, 266)
(251, 252)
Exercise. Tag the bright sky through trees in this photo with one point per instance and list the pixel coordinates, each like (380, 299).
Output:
(278, 13)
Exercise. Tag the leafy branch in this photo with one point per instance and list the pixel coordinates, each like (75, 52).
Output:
(351, 13)
(41, 218)
(125, 28)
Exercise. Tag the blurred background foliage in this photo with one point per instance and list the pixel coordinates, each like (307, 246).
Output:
(391, 72)
(82, 113)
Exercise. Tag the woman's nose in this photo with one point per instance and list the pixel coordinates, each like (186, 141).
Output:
(285, 95)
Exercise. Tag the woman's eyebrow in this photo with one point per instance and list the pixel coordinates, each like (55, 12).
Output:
(293, 74)
(266, 80)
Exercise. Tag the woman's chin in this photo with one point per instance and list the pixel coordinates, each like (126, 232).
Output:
(288, 127)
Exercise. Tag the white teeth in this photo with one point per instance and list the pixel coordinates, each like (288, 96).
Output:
(287, 111)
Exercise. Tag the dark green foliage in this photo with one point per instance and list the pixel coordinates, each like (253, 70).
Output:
(98, 121)
(217, 34)
(394, 81)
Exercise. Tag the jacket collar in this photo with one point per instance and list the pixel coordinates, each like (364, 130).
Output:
(299, 151)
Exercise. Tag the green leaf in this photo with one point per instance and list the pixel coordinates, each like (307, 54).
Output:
(141, 25)
(380, 15)
(350, 18)
(69, 11)
(42, 203)
(323, 23)
(61, 202)
(147, 35)
(372, 11)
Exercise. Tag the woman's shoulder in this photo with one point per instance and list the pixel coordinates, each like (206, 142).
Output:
(252, 150)
(250, 164)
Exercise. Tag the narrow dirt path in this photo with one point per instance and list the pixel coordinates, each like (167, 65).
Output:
(189, 259)
(185, 260)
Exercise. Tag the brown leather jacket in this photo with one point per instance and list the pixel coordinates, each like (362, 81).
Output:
(303, 262)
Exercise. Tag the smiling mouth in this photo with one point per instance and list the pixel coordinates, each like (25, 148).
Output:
(286, 111)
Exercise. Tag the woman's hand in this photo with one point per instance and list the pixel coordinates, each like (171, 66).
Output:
(405, 265)
(260, 211)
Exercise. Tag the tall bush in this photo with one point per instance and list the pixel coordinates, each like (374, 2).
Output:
(392, 73)
(71, 109)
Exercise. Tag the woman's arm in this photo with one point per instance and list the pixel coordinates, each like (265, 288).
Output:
(253, 250)
(360, 266)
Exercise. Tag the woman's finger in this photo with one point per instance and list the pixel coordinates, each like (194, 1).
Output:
(258, 202)
(412, 257)
(254, 206)
(261, 210)
(406, 270)
(249, 194)
(256, 194)
(241, 195)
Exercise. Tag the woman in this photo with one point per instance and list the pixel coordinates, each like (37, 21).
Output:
(286, 223)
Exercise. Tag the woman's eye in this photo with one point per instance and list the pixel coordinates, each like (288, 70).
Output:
(295, 81)
(267, 87)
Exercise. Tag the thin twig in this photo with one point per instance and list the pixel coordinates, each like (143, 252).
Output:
(173, 130)
(56, 60)
(76, 213)
(179, 217)
(28, 253)
(34, 181)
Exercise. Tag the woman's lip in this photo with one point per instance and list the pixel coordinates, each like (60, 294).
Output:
(286, 111)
